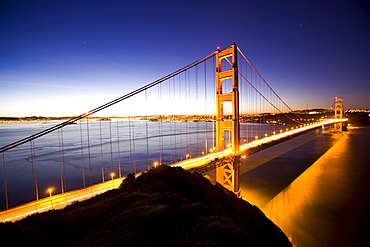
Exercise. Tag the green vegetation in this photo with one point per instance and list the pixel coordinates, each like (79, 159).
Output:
(163, 207)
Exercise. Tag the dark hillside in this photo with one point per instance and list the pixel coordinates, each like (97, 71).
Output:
(163, 207)
(359, 118)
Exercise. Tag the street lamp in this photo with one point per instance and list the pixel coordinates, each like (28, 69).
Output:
(50, 193)
(112, 175)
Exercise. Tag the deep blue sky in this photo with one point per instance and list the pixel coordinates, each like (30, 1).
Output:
(86, 53)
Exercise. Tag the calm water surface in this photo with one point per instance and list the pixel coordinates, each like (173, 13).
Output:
(88, 152)
(316, 188)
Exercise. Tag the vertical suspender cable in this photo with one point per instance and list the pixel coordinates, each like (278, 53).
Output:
(82, 157)
(33, 159)
(171, 123)
(160, 140)
(118, 150)
(130, 140)
(181, 123)
(133, 144)
(188, 134)
(5, 182)
(197, 103)
(111, 146)
(146, 130)
(61, 156)
(206, 106)
(175, 124)
(214, 113)
(186, 113)
(89, 148)
(101, 154)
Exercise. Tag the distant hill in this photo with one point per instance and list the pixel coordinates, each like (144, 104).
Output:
(163, 207)
(359, 118)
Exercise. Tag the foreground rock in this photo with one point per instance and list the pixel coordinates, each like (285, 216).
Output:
(163, 207)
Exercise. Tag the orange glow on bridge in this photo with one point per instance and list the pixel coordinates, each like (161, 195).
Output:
(204, 159)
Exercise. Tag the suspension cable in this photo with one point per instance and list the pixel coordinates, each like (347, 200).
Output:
(261, 94)
(266, 98)
(84, 115)
(255, 70)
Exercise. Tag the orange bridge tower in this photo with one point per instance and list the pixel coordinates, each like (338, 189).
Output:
(228, 174)
(338, 113)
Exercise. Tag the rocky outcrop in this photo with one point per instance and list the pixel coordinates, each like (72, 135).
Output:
(163, 207)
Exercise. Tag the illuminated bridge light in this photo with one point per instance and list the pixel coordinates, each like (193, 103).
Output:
(256, 137)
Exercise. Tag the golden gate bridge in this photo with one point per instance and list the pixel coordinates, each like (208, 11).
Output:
(207, 115)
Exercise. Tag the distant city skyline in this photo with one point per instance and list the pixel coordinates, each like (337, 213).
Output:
(65, 58)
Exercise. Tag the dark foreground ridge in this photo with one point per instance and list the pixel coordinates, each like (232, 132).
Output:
(163, 207)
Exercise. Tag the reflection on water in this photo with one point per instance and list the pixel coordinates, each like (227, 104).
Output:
(296, 211)
(327, 205)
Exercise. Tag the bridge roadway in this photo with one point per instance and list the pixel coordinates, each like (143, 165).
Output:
(62, 200)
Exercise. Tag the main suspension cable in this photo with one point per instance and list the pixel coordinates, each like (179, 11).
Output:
(84, 115)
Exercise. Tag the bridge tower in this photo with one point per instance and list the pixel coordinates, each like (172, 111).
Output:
(228, 174)
(338, 113)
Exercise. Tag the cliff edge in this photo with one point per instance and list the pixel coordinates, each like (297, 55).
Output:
(163, 207)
